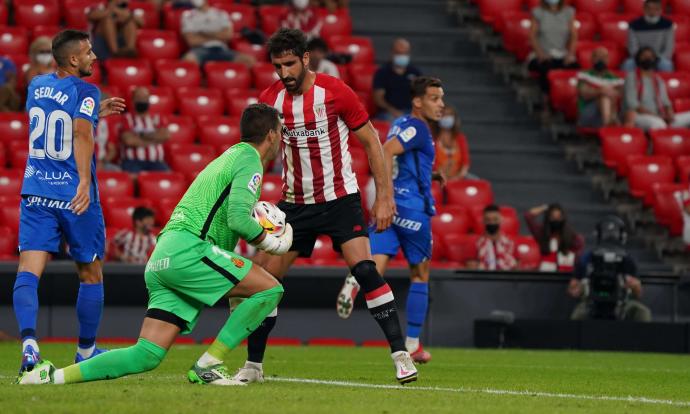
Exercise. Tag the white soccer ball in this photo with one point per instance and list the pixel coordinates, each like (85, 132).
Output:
(270, 217)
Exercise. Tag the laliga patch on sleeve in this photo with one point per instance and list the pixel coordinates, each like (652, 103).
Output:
(255, 183)
(408, 133)
(87, 106)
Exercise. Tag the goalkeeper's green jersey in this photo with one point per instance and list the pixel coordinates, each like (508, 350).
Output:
(217, 206)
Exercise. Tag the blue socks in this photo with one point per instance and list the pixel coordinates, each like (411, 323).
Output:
(89, 310)
(25, 301)
(417, 304)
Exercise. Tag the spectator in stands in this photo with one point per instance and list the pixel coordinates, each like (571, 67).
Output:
(452, 153)
(135, 245)
(683, 199)
(495, 251)
(599, 92)
(10, 100)
(303, 17)
(553, 37)
(318, 62)
(114, 29)
(654, 31)
(207, 30)
(392, 82)
(143, 137)
(559, 244)
(106, 141)
(40, 58)
(646, 101)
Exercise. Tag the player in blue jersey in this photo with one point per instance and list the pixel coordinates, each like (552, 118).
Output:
(409, 154)
(60, 193)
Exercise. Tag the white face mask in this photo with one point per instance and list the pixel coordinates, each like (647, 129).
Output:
(401, 60)
(447, 122)
(44, 58)
(652, 19)
(198, 3)
(300, 4)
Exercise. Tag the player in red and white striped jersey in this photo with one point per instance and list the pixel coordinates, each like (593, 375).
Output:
(320, 192)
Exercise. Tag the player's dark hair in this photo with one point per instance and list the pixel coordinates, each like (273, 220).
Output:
(141, 213)
(287, 41)
(317, 43)
(420, 84)
(63, 42)
(257, 120)
(491, 208)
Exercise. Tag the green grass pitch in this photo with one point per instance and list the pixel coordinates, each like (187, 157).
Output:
(360, 380)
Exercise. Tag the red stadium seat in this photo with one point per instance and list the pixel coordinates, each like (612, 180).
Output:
(117, 211)
(3, 13)
(164, 209)
(257, 51)
(362, 76)
(460, 248)
(584, 53)
(677, 84)
(382, 127)
(22, 64)
(178, 73)
(619, 142)
(271, 15)
(360, 162)
(9, 216)
(516, 33)
(323, 253)
(157, 185)
(219, 131)
(682, 28)
(360, 48)
(335, 24)
(172, 17)
(636, 7)
(225, 75)
(645, 171)
(190, 159)
(3, 156)
(666, 208)
(450, 220)
(14, 126)
(115, 184)
(31, 13)
(510, 223)
(182, 129)
(586, 27)
(672, 142)
(75, 13)
(563, 92)
(197, 101)
(264, 75)
(158, 44)
(681, 7)
(272, 188)
(238, 99)
(147, 12)
(128, 72)
(491, 10)
(614, 28)
(96, 75)
(241, 15)
(681, 57)
(11, 181)
(344, 73)
(368, 101)
(527, 253)
(470, 193)
(161, 100)
(14, 40)
(8, 244)
(683, 165)
(18, 153)
(596, 7)
(681, 105)
(47, 31)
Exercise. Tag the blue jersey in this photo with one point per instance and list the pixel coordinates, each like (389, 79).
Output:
(53, 105)
(413, 168)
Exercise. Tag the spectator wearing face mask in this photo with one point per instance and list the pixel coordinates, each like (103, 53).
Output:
(683, 199)
(318, 51)
(598, 93)
(559, 244)
(40, 58)
(495, 251)
(143, 137)
(392, 82)
(135, 245)
(9, 98)
(303, 17)
(452, 153)
(114, 29)
(647, 105)
(654, 31)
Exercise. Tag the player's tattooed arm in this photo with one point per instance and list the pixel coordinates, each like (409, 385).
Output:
(111, 106)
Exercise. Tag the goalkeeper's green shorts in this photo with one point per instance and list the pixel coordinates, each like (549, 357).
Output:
(185, 273)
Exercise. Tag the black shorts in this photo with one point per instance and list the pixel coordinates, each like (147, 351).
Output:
(341, 220)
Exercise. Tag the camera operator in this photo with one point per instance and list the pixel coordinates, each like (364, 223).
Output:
(606, 280)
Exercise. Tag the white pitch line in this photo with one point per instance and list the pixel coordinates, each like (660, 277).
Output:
(629, 399)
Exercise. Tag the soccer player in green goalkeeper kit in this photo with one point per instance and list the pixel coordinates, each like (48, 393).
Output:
(193, 266)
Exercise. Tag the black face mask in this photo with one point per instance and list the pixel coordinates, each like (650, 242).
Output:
(141, 107)
(599, 66)
(492, 228)
(556, 225)
(123, 5)
(646, 64)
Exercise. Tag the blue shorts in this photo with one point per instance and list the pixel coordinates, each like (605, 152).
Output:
(410, 230)
(44, 222)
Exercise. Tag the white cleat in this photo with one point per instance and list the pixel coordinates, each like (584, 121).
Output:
(405, 371)
(213, 375)
(41, 374)
(347, 296)
(249, 373)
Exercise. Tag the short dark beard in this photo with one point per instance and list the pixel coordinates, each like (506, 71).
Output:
(298, 82)
(84, 74)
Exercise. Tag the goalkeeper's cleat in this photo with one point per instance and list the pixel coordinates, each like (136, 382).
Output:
(405, 371)
(30, 358)
(420, 356)
(347, 296)
(78, 358)
(42, 373)
(213, 375)
(249, 373)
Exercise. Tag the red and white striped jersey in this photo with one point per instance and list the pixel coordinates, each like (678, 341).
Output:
(317, 165)
(143, 124)
(135, 247)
